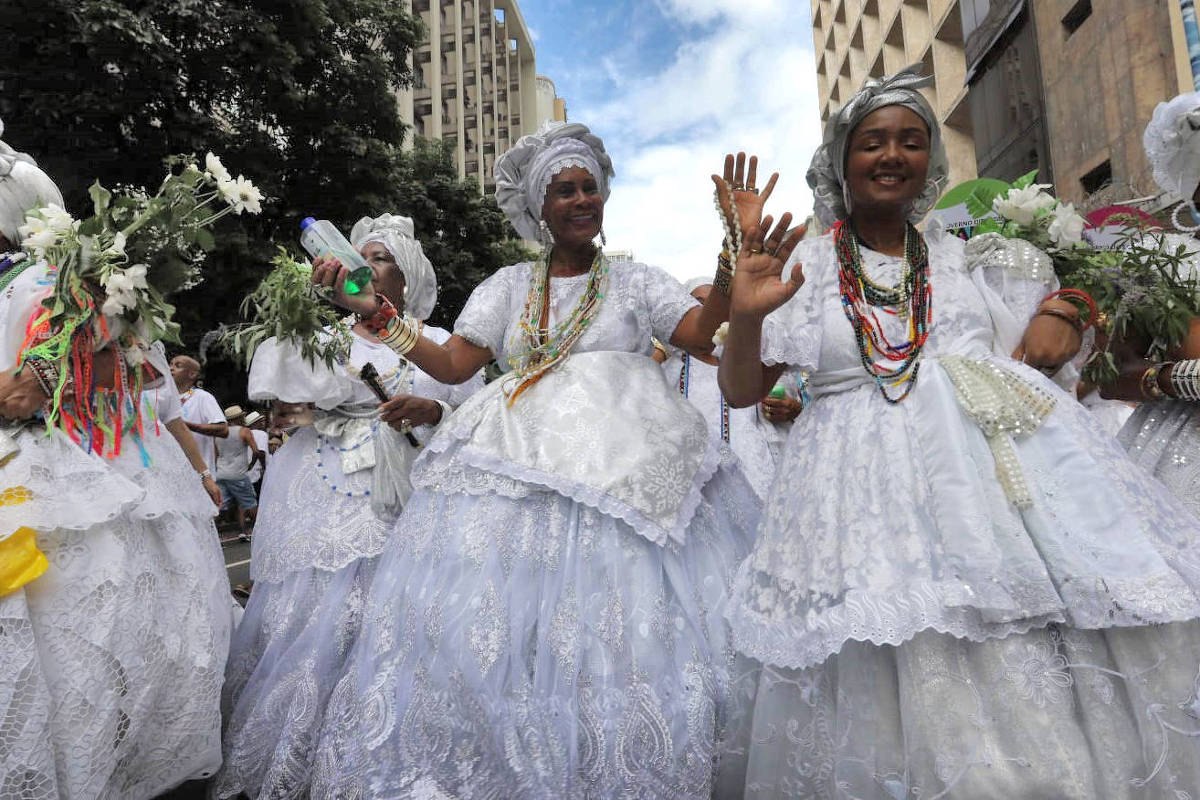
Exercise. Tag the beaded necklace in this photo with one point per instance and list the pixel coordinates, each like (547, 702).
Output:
(912, 297)
(685, 379)
(547, 347)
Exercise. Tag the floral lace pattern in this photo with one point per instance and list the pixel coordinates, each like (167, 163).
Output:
(1054, 712)
(1164, 438)
(536, 647)
(909, 530)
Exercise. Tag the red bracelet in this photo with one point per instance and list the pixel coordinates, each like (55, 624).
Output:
(1077, 294)
(380, 319)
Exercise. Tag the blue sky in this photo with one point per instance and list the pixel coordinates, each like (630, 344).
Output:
(672, 85)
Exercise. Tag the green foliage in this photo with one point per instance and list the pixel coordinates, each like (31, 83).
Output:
(287, 306)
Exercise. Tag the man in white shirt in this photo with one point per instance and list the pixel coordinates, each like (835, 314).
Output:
(257, 424)
(201, 411)
(236, 453)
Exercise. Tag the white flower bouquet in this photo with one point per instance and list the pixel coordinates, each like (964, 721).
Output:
(113, 272)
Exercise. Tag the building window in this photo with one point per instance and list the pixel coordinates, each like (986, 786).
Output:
(1076, 16)
(1097, 178)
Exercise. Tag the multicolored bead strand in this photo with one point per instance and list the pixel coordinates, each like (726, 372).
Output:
(685, 379)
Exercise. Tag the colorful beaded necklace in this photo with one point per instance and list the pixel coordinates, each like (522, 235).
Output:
(547, 348)
(685, 379)
(912, 298)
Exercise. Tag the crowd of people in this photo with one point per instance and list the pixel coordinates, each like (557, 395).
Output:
(830, 523)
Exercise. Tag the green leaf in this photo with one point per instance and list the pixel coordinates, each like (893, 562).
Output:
(205, 239)
(101, 197)
(1025, 180)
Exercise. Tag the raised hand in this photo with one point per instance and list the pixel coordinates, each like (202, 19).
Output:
(737, 192)
(330, 274)
(758, 284)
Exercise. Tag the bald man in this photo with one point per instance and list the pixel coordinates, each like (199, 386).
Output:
(201, 411)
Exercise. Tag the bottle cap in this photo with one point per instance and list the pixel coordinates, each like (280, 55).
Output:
(304, 223)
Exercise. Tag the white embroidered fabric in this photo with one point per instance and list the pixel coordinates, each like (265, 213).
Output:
(1053, 713)
(887, 520)
(538, 648)
(304, 522)
(753, 439)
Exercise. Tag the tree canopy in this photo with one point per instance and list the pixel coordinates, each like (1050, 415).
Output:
(299, 95)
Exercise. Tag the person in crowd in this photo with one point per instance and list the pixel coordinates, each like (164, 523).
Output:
(114, 605)
(545, 617)
(237, 452)
(1163, 434)
(329, 500)
(256, 423)
(753, 433)
(961, 586)
(201, 412)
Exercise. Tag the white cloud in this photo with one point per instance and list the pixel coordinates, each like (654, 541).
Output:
(747, 83)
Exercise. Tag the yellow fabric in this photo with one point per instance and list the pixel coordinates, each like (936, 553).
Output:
(20, 560)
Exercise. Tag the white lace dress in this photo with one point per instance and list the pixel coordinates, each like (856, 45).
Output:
(751, 436)
(546, 620)
(316, 543)
(924, 637)
(111, 662)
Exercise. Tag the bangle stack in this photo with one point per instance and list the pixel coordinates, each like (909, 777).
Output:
(1073, 321)
(401, 334)
(1071, 295)
(1185, 379)
(723, 280)
(1149, 382)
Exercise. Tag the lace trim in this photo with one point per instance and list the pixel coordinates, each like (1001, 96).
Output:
(605, 503)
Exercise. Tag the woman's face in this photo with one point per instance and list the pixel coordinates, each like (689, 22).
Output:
(574, 207)
(388, 280)
(887, 160)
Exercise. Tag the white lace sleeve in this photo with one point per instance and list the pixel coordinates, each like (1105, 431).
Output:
(792, 333)
(663, 300)
(484, 319)
(279, 372)
(16, 305)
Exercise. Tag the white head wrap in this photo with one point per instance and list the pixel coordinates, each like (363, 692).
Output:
(22, 187)
(525, 170)
(827, 173)
(1172, 142)
(397, 234)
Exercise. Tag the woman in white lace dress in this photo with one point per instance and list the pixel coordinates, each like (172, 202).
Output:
(327, 510)
(546, 619)
(115, 608)
(1163, 435)
(961, 587)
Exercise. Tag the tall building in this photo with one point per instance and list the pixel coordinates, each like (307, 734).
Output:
(550, 107)
(858, 39)
(475, 84)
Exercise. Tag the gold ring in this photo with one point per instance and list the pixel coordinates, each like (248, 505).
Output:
(755, 251)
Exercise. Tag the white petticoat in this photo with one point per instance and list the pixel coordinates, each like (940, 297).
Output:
(111, 662)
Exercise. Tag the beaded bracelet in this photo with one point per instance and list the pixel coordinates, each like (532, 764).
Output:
(380, 319)
(1082, 296)
(1149, 382)
(723, 280)
(46, 374)
(1185, 379)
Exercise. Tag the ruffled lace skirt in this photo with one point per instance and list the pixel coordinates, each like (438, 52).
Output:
(535, 647)
(1164, 438)
(111, 662)
(1054, 713)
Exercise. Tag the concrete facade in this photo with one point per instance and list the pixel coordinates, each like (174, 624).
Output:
(475, 81)
(858, 39)
(550, 107)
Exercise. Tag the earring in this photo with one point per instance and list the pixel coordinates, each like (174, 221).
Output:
(544, 234)
(1182, 225)
(603, 241)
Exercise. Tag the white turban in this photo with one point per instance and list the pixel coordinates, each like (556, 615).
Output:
(397, 234)
(1172, 142)
(827, 173)
(525, 170)
(22, 187)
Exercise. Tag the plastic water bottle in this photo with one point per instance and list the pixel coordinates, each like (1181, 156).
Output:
(778, 391)
(320, 237)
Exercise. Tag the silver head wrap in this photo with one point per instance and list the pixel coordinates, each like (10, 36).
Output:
(1172, 142)
(397, 234)
(22, 187)
(827, 173)
(525, 170)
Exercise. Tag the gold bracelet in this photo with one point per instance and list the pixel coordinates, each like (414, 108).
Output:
(401, 335)
(1149, 383)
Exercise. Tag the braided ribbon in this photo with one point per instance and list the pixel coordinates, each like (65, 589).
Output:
(1004, 406)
